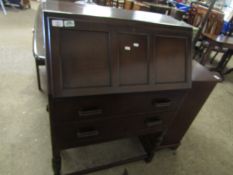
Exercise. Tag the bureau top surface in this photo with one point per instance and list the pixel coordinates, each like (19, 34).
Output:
(111, 13)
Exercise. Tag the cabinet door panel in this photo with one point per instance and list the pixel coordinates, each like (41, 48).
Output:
(85, 59)
(133, 62)
(170, 59)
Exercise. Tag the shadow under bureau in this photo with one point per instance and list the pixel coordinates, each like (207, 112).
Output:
(116, 74)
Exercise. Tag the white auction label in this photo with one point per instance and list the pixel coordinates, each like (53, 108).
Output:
(69, 23)
(57, 23)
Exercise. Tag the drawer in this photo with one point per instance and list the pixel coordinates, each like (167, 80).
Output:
(94, 131)
(71, 109)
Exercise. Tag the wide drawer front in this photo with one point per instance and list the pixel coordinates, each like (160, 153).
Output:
(83, 133)
(71, 109)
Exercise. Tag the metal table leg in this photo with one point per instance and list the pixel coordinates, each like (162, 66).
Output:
(3, 7)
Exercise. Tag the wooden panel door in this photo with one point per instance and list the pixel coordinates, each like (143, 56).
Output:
(84, 59)
(133, 59)
(170, 55)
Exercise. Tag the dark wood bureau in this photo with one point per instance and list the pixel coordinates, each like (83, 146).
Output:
(115, 74)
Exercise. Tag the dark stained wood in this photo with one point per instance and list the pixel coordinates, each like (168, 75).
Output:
(98, 91)
(104, 106)
(203, 83)
(84, 54)
(88, 132)
(133, 59)
(170, 67)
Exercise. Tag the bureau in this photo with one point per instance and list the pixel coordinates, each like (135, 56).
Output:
(116, 74)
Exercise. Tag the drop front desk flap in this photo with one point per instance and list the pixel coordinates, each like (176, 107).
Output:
(95, 50)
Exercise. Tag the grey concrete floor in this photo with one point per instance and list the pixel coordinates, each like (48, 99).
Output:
(25, 146)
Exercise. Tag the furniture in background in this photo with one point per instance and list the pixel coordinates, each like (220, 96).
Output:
(214, 22)
(213, 27)
(220, 41)
(25, 4)
(105, 92)
(211, 38)
(178, 14)
(156, 7)
(140, 6)
(209, 22)
(22, 4)
(159, 8)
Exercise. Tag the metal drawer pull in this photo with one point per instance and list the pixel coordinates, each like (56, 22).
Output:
(154, 121)
(90, 133)
(160, 103)
(89, 112)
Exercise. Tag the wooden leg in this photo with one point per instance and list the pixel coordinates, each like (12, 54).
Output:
(56, 162)
(149, 157)
(221, 63)
(125, 172)
(206, 55)
(148, 147)
(212, 59)
(198, 52)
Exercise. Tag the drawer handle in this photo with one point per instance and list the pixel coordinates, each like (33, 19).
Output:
(87, 133)
(161, 103)
(154, 121)
(91, 112)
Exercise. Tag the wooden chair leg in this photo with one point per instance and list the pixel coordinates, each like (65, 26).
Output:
(197, 53)
(213, 58)
(38, 76)
(206, 55)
